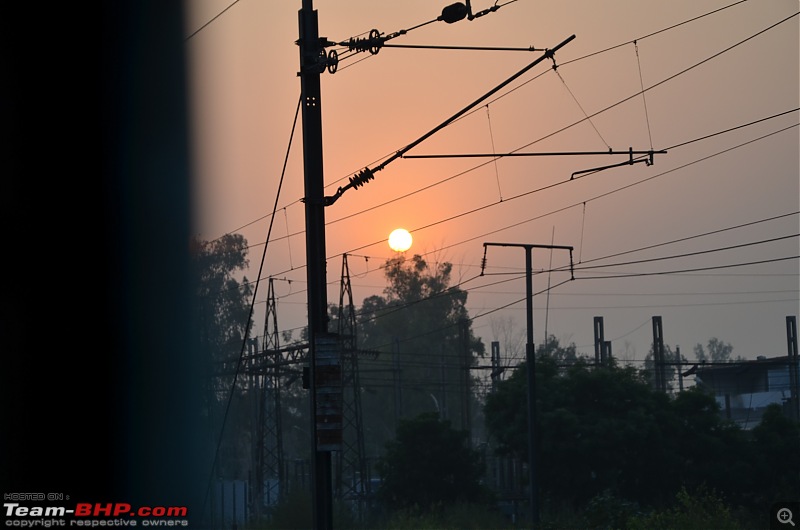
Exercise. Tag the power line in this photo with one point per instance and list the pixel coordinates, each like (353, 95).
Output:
(250, 313)
(694, 269)
(465, 214)
(523, 194)
(686, 304)
(688, 254)
(639, 249)
(696, 236)
(198, 30)
(613, 275)
(590, 116)
(552, 212)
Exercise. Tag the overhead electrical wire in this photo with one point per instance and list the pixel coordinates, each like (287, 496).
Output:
(575, 123)
(692, 269)
(530, 192)
(659, 83)
(648, 247)
(685, 304)
(250, 312)
(596, 197)
(523, 194)
(687, 254)
(376, 39)
(630, 185)
(504, 94)
(396, 308)
(548, 289)
(562, 64)
(696, 236)
(637, 94)
(215, 17)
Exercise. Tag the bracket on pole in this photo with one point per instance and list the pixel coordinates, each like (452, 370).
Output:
(649, 160)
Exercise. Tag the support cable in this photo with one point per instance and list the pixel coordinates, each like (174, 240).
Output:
(368, 174)
(377, 39)
(555, 69)
(538, 76)
(496, 171)
(212, 20)
(696, 236)
(596, 197)
(288, 240)
(250, 313)
(644, 100)
(688, 254)
(583, 226)
(696, 269)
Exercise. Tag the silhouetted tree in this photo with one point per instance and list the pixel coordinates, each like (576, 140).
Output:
(422, 330)
(776, 474)
(428, 465)
(222, 316)
(716, 351)
(670, 370)
(607, 430)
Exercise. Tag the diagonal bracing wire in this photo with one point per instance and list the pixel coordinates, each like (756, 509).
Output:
(644, 100)
(496, 171)
(504, 94)
(583, 111)
(368, 174)
(250, 313)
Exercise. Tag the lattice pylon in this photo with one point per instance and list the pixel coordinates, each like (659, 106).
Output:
(269, 444)
(351, 475)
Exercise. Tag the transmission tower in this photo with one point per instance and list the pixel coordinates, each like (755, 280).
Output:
(351, 480)
(269, 436)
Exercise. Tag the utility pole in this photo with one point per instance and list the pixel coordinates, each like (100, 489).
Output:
(269, 462)
(311, 101)
(791, 340)
(530, 361)
(324, 359)
(496, 371)
(351, 480)
(599, 342)
(658, 355)
(466, 414)
(398, 382)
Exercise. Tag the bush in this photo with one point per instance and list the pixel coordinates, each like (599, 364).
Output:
(609, 512)
(451, 517)
(295, 512)
(699, 511)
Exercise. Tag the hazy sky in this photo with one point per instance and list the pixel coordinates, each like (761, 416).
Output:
(721, 95)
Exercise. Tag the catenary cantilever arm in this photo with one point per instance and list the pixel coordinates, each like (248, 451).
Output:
(368, 174)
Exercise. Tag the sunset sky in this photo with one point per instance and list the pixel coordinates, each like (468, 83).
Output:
(714, 83)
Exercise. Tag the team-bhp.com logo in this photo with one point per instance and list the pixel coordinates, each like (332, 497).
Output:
(94, 514)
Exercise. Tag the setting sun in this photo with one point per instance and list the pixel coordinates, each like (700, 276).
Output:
(400, 240)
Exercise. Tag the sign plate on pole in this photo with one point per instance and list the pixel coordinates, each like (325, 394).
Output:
(329, 403)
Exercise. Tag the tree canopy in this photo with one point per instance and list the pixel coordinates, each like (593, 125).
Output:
(422, 330)
(602, 429)
(429, 464)
(223, 308)
(223, 319)
(716, 351)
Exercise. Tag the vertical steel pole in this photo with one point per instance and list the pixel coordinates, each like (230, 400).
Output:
(599, 341)
(310, 70)
(530, 360)
(791, 339)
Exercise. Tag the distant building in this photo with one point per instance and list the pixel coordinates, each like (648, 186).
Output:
(745, 389)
